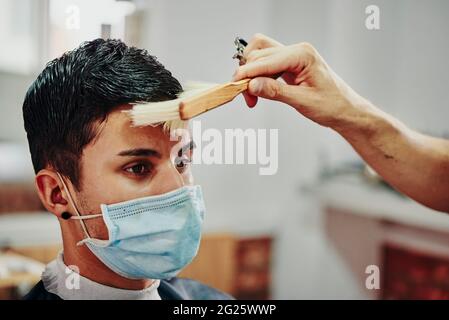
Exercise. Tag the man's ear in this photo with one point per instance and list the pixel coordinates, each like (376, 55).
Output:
(51, 192)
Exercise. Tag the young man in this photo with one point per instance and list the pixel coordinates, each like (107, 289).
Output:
(130, 216)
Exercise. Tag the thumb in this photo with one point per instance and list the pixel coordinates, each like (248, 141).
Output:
(269, 88)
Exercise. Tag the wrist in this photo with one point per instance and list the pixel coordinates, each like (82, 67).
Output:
(361, 120)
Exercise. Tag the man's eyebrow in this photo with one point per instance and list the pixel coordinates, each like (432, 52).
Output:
(139, 152)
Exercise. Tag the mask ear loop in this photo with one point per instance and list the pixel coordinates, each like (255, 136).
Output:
(79, 216)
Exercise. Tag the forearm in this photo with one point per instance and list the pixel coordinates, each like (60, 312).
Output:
(415, 164)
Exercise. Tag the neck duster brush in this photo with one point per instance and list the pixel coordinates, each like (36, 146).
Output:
(195, 100)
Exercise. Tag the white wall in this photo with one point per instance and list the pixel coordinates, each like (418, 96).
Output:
(12, 92)
(422, 68)
(402, 68)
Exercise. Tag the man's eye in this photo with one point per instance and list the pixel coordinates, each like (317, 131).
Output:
(183, 161)
(138, 169)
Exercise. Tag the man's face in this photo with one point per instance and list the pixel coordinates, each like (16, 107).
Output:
(125, 162)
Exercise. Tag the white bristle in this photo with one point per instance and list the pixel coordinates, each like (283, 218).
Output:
(167, 112)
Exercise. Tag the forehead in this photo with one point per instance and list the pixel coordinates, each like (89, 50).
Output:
(116, 134)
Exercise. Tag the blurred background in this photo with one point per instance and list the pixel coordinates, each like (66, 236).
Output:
(324, 226)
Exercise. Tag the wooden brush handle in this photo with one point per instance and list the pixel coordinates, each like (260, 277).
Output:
(210, 99)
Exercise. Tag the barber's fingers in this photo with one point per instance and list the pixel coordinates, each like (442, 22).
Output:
(255, 50)
(260, 41)
(261, 53)
(254, 55)
(269, 88)
(288, 59)
(266, 66)
(251, 99)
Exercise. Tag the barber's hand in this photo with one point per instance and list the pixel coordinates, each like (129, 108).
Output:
(311, 87)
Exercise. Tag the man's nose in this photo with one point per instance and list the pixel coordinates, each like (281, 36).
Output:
(168, 178)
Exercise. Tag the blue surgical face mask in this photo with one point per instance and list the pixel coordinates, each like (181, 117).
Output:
(149, 238)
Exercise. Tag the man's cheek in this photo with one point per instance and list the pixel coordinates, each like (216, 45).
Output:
(97, 228)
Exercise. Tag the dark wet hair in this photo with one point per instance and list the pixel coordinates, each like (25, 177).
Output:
(77, 91)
